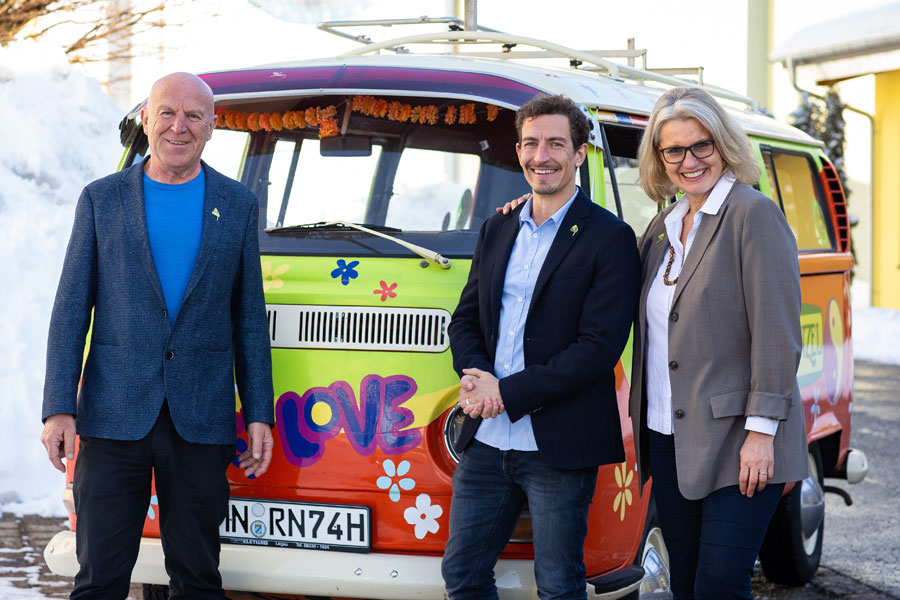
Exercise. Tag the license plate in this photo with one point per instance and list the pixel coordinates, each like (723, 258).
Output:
(297, 525)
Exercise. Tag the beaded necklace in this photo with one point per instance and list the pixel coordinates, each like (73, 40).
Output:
(669, 268)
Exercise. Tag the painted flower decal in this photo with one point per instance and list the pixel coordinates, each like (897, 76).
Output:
(423, 516)
(270, 277)
(386, 291)
(154, 501)
(387, 480)
(346, 271)
(623, 498)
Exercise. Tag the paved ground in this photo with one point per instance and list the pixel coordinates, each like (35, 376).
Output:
(861, 557)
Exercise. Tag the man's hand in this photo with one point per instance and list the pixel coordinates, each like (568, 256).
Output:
(255, 460)
(58, 438)
(479, 394)
(509, 206)
(757, 462)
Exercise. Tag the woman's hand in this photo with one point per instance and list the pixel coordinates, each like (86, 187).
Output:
(509, 206)
(757, 462)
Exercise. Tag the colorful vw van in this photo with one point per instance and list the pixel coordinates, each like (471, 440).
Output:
(374, 171)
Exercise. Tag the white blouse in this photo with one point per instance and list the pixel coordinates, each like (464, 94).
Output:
(659, 305)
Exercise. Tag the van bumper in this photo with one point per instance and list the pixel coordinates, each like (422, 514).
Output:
(273, 570)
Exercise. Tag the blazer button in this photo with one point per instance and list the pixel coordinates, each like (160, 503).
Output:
(679, 414)
(673, 317)
(673, 365)
(170, 355)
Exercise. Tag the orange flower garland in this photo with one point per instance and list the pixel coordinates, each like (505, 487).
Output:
(328, 128)
(323, 117)
(276, 122)
(467, 114)
(450, 117)
(311, 117)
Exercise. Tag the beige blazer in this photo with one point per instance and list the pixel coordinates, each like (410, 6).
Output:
(734, 343)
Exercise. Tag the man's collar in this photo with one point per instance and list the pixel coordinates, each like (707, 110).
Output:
(557, 217)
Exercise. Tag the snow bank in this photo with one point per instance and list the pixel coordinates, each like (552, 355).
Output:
(58, 132)
(875, 334)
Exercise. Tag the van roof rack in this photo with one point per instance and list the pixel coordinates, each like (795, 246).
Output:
(595, 61)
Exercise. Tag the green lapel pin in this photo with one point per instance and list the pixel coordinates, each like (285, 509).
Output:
(215, 213)
(574, 229)
(661, 237)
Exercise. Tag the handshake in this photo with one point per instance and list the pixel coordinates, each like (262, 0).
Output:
(479, 394)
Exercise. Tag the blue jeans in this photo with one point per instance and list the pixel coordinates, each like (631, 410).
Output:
(712, 542)
(490, 488)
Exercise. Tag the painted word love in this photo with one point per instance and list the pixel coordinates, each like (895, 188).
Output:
(377, 421)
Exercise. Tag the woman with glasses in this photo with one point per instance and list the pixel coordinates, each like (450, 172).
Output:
(717, 415)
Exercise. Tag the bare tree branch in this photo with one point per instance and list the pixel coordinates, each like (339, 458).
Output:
(81, 17)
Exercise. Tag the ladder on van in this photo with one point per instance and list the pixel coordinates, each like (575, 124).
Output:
(594, 61)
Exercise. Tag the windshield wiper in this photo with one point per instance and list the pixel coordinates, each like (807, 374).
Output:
(425, 253)
(328, 226)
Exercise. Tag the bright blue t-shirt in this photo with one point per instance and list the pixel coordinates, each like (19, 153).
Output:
(174, 225)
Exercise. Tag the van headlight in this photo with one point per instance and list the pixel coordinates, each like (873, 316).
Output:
(452, 428)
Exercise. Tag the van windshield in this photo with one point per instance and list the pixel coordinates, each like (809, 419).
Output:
(434, 182)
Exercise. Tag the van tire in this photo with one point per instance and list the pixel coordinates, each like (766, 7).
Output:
(155, 592)
(789, 555)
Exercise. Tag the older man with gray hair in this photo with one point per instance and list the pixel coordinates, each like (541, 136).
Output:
(163, 268)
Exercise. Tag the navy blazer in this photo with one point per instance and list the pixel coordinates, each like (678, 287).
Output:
(577, 326)
(136, 357)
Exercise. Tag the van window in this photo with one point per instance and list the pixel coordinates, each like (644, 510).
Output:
(309, 193)
(431, 190)
(431, 177)
(226, 154)
(637, 208)
(795, 179)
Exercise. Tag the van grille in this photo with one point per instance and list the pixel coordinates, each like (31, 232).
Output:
(358, 327)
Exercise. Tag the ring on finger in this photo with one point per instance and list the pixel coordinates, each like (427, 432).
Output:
(467, 401)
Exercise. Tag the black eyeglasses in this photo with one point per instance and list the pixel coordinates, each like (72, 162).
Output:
(675, 154)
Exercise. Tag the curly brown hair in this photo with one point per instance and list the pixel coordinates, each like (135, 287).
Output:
(545, 104)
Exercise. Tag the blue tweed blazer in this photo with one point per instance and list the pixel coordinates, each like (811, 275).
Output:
(136, 357)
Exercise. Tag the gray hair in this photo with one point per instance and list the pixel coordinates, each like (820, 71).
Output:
(693, 103)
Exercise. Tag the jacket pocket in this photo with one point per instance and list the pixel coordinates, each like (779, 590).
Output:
(729, 404)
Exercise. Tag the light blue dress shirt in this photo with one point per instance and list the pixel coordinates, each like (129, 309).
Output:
(525, 262)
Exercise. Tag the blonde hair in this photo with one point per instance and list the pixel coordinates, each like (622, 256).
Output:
(693, 103)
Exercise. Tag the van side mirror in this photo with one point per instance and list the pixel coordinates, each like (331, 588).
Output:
(346, 145)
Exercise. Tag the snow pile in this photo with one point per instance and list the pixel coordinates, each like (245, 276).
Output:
(875, 333)
(58, 132)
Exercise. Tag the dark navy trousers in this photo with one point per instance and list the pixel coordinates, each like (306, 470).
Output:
(712, 542)
(112, 494)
